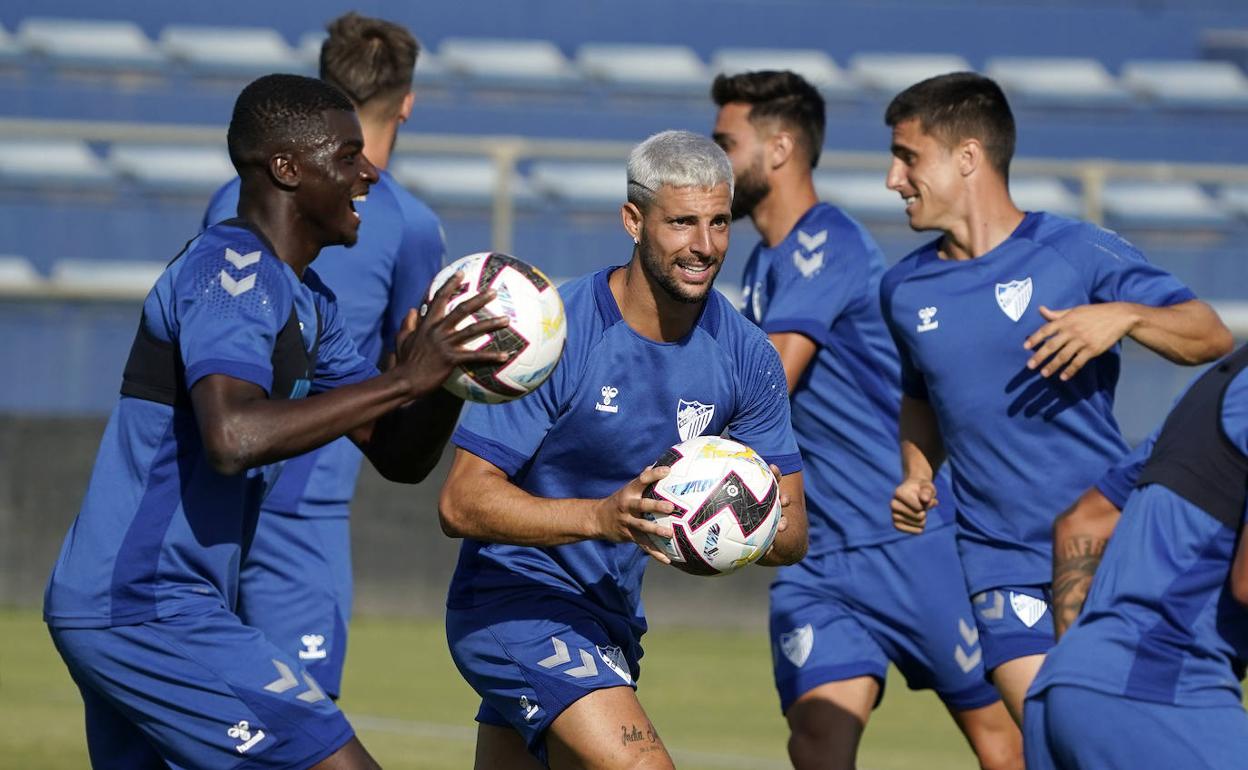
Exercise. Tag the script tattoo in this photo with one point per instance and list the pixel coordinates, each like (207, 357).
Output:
(1074, 563)
(649, 740)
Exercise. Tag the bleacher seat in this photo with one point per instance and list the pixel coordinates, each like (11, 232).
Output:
(114, 45)
(1069, 81)
(10, 51)
(468, 181)
(861, 194)
(229, 51)
(656, 69)
(1234, 198)
(1161, 204)
(812, 64)
(18, 275)
(1045, 194)
(1226, 44)
(193, 169)
(891, 73)
(582, 186)
(121, 278)
(502, 62)
(1187, 83)
(64, 163)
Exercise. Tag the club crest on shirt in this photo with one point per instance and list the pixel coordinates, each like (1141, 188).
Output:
(1013, 297)
(809, 263)
(692, 417)
(1029, 609)
(797, 644)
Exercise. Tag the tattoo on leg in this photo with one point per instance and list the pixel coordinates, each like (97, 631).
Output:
(649, 740)
(1074, 563)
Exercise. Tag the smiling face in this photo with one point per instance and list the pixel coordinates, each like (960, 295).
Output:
(745, 145)
(928, 176)
(335, 172)
(683, 236)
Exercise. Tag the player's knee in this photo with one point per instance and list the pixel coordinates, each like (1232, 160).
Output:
(814, 747)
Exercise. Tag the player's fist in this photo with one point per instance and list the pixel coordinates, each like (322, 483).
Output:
(911, 501)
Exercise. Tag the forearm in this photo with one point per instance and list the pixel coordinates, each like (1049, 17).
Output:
(1187, 333)
(1079, 539)
(922, 450)
(406, 444)
(491, 508)
(790, 544)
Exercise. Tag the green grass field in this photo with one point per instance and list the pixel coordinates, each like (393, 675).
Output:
(708, 691)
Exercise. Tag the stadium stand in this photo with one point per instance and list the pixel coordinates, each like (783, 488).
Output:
(115, 45)
(1161, 204)
(18, 275)
(44, 163)
(1187, 83)
(888, 73)
(105, 277)
(193, 170)
(508, 63)
(456, 181)
(580, 186)
(229, 51)
(1053, 81)
(646, 68)
(814, 65)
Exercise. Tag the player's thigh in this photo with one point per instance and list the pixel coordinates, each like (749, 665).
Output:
(295, 586)
(114, 742)
(530, 660)
(207, 690)
(606, 730)
(501, 746)
(1013, 678)
(816, 639)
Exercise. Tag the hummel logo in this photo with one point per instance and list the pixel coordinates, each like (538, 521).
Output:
(242, 732)
(926, 316)
(529, 707)
(605, 405)
(313, 644)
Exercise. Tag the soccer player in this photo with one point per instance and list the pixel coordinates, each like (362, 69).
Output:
(1008, 326)
(1159, 649)
(235, 332)
(866, 593)
(296, 582)
(544, 616)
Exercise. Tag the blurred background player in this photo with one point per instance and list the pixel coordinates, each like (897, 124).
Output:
(1159, 649)
(1008, 327)
(296, 580)
(544, 617)
(236, 331)
(866, 593)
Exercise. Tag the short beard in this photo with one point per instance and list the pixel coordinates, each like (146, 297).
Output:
(652, 266)
(750, 189)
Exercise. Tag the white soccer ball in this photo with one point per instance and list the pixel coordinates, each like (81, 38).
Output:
(536, 333)
(727, 505)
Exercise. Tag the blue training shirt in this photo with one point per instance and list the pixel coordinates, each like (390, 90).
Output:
(1160, 623)
(611, 408)
(160, 532)
(822, 281)
(1021, 447)
(400, 249)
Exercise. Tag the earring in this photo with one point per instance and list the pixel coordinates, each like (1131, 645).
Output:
(636, 241)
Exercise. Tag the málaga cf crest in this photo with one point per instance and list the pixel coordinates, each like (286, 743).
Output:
(1013, 297)
(692, 417)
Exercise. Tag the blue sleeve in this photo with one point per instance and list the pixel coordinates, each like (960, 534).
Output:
(228, 316)
(338, 360)
(1118, 272)
(762, 420)
(422, 250)
(223, 206)
(814, 286)
(912, 382)
(1119, 480)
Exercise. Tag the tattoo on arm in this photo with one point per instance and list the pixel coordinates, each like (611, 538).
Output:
(1074, 563)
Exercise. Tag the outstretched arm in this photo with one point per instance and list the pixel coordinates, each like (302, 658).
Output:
(1080, 535)
(922, 452)
(478, 501)
(1186, 333)
(791, 541)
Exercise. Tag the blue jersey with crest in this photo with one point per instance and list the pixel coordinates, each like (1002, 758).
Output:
(400, 250)
(1160, 623)
(160, 532)
(614, 404)
(822, 281)
(1021, 447)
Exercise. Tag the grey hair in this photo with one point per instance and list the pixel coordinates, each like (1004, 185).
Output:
(676, 159)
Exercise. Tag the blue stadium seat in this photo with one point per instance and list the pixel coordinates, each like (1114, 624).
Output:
(119, 278)
(645, 68)
(60, 163)
(229, 51)
(193, 169)
(863, 195)
(1050, 81)
(510, 63)
(1185, 84)
(1044, 194)
(1161, 204)
(114, 45)
(890, 73)
(581, 186)
(812, 64)
(18, 275)
(468, 181)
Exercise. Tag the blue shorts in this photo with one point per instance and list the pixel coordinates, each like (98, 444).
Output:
(529, 660)
(1074, 727)
(846, 614)
(200, 691)
(1014, 622)
(295, 586)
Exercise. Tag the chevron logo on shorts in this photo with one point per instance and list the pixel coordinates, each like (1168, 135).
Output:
(561, 657)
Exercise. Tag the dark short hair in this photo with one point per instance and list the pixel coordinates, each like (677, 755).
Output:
(369, 60)
(280, 110)
(779, 95)
(960, 106)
